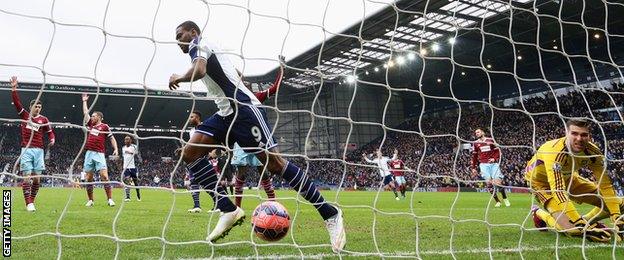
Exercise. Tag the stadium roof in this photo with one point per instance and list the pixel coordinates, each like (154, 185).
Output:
(399, 34)
(412, 31)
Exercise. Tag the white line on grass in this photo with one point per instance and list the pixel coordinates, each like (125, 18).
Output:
(430, 252)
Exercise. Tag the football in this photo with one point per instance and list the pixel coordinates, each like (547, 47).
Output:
(270, 221)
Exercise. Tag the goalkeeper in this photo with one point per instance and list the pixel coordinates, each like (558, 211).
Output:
(553, 176)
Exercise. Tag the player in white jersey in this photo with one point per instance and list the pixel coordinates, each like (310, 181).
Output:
(384, 170)
(239, 119)
(130, 172)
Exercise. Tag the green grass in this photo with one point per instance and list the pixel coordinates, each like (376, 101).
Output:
(423, 224)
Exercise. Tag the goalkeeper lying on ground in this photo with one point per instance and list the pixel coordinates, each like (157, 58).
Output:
(553, 176)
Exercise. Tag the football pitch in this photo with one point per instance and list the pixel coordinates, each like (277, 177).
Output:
(426, 225)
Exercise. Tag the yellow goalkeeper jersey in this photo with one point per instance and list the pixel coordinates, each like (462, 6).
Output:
(553, 166)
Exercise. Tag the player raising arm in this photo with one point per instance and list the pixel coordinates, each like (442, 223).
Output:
(95, 160)
(552, 174)
(238, 119)
(33, 127)
(384, 170)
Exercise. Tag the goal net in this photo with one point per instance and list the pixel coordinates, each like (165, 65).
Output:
(363, 80)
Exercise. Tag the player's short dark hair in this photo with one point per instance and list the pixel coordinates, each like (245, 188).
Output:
(130, 137)
(35, 102)
(189, 25)
(580, 122)
(197, 113)
(99, 114)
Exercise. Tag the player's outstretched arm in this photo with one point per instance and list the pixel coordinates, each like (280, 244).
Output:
(197, 71)
(16, 101)
(85, 108)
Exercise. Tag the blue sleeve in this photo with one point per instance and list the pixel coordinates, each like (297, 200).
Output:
(193, 52)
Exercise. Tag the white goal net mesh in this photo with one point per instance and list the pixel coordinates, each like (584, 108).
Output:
(418, 77)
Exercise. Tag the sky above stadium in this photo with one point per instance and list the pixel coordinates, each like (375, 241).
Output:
(255, 29)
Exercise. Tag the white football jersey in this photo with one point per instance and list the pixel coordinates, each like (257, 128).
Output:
(382, 163)
(128, 156)
(221, 79)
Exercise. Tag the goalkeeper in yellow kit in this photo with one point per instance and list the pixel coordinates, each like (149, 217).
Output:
(553, 177)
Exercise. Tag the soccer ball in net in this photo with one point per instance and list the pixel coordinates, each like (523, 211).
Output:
(270, 221)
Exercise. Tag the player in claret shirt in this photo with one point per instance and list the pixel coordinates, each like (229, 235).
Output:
(397, 167)
(486, 156)
(95, 160)
(33, 126)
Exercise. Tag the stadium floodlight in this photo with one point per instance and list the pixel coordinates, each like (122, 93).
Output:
(489, 66)
(463, 73)
(452, 40)
(423, 51)
(376, 69)
(519, 57)
(350, 79)
(435, 47)
(439, 80)
(366, 72)
(411, 56)
(597, 36)
(400, 60)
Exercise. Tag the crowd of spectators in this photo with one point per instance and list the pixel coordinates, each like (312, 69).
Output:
(433, 147)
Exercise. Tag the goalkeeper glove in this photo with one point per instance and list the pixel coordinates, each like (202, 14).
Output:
(592, 232)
